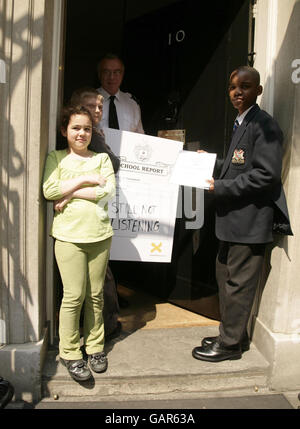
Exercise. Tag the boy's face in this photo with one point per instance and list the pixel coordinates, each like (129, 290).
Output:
(95, 106)
(243, 90)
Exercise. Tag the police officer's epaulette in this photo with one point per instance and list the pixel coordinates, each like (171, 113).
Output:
(134, 98)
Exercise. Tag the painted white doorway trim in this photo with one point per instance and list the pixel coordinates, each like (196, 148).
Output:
(54, 112)
(266, 49)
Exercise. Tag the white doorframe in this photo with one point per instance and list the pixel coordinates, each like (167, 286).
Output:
(266, 50)
(56, 98)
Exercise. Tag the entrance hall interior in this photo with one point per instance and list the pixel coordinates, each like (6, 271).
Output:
(178, 55)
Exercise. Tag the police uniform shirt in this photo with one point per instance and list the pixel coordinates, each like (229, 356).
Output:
(128, 111)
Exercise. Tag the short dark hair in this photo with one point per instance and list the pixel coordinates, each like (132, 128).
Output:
(71, 110)
(109, 56)
(248, 69)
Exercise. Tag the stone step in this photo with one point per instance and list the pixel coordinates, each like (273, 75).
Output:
(246, 400)
(158, 362)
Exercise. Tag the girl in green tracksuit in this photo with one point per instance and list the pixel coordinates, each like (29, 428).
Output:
(80, 182)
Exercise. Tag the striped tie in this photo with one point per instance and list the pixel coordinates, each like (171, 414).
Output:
(235, 126)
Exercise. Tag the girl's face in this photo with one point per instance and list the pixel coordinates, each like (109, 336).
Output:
(78, 133)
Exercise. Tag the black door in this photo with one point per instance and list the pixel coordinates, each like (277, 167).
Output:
(178, 59)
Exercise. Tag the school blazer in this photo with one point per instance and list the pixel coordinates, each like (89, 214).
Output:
(250, 201)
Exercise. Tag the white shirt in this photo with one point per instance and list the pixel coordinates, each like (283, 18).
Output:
(241, 117)
(128, 111)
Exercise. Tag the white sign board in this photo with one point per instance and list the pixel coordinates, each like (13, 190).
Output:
(144, 211)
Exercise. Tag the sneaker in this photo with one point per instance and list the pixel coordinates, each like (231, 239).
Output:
(78, 369)
(98, 362)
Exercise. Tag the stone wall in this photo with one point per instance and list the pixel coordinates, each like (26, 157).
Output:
(26, 47)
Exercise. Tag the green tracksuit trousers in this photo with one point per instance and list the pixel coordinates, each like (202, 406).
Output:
(82, 268)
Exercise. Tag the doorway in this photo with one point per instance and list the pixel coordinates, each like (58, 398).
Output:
(179, 53)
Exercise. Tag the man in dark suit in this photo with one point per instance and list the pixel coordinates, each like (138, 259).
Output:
(250, 206)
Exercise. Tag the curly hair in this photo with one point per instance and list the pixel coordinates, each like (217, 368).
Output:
(71, 110)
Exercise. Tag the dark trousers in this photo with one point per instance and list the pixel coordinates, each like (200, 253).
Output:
(238, 268)
(111, 304)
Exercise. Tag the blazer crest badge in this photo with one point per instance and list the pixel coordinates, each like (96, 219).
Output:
(238, 157)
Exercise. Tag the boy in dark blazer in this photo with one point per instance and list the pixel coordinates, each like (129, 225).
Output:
(250, 206)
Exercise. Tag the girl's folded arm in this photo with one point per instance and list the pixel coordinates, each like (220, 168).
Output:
(54, 188)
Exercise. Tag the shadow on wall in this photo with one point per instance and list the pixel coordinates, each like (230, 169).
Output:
(285, 112)
(15, 295)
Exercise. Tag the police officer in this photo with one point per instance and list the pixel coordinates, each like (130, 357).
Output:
(120, 110)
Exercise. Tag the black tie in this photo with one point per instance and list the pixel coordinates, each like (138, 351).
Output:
(113, 117)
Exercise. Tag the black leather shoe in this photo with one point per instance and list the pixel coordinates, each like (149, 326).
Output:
(215, 352)
(98, 362)
(6, 392)
(245, 344)
(78, 369)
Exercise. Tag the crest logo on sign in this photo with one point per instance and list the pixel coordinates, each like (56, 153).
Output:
(143, 153)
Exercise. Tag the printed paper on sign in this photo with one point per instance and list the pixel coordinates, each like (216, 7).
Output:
(193, 169)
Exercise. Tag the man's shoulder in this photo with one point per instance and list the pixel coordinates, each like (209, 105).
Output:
(130, 98)
(103, 92)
